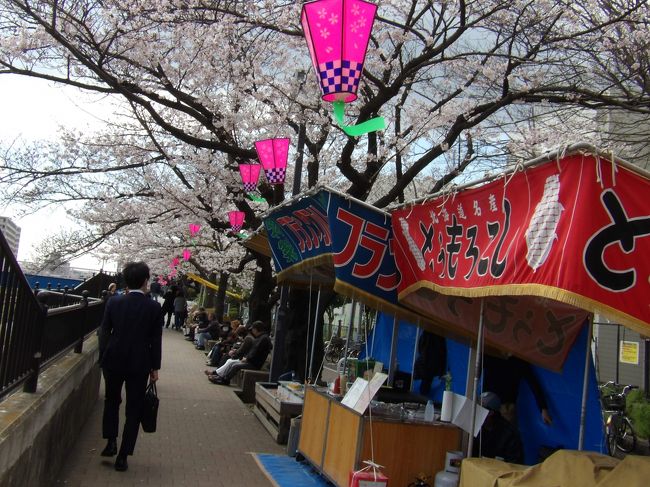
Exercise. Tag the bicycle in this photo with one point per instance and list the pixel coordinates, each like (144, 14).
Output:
(334, 349)
(618, 427)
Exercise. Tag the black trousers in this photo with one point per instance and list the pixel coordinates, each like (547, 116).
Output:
(135, 384)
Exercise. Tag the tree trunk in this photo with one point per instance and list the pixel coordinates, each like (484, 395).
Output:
(300, 332)
(260, 302)
(210, 301)
(220, 299)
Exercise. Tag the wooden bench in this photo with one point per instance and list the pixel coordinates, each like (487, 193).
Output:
(274, 414)
(246, 380)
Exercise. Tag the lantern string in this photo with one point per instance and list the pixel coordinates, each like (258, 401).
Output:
(372, 125)
(254, 197)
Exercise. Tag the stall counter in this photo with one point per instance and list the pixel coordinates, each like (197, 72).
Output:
(336, 440)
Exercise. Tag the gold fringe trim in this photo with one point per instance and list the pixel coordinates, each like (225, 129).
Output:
(376, 302)
(319, 260)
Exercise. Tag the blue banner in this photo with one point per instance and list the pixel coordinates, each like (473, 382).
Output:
(329, 238)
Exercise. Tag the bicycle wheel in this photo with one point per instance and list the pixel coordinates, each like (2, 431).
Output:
(625, 436)
(611, 442)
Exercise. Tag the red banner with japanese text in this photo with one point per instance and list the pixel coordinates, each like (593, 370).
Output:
(547, 245)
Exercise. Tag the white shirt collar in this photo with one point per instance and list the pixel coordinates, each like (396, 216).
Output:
(140, 291)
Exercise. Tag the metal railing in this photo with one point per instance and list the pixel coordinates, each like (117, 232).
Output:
(31, 335)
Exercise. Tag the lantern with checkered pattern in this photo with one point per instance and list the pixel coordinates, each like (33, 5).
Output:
(337, 33)
(250, 174)
(236, 220)
(273, 154)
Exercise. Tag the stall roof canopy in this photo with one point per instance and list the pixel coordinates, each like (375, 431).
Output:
(560, 237)
(258, 242)
(328, 239)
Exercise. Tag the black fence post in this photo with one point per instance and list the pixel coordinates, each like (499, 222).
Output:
(82, 323)
(32, 381)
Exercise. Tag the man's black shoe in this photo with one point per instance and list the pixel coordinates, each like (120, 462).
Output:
(110, 449)
(121, 464)
(217, 379)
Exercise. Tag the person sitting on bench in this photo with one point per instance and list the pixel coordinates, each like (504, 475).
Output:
(207, 331)
(220, 353)
(254, 359)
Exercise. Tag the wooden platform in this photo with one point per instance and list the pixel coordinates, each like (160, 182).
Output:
(274, 414)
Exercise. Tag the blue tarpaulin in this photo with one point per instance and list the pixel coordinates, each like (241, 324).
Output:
(43, 281)
(563, 390)
(284, 471)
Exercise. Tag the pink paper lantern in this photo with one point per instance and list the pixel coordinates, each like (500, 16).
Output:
(186, 255)
(194, 229)
(250, 174)
(337, 33)
(273, 154)
(236, 220)
(175, 262)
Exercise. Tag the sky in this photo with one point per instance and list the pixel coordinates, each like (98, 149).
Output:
(34, 110)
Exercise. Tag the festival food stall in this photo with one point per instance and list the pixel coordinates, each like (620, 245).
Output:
(524, 258)
(327, 239)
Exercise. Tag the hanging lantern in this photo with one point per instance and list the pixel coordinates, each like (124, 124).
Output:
(273, 154)
(337, 34)
(250, 174)
(236, 220)
(186, 255)
(175, 262)
(194, 229)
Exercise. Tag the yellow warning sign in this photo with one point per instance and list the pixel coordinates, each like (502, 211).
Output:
(629, 353)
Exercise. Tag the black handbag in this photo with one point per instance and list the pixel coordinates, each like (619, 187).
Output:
(150, 409)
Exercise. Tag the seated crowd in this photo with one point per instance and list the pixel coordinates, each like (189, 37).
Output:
(237, 347)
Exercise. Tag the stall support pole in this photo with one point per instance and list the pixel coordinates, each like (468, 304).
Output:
(313, 340)
(618, 350)
(477, 377)
(585, 389)
(347, 339)
(392, 361)
(415, 353)
(646, 373)
(277, 357)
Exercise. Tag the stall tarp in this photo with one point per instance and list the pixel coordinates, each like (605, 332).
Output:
(568, 231)
(379, 342)
(562, 469)
(562, 390)
(328, 239)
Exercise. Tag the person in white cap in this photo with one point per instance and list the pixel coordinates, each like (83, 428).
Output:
(498, 437)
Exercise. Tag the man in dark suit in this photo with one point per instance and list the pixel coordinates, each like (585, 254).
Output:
(129, 354)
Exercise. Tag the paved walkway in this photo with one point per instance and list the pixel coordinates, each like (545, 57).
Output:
(205, 434)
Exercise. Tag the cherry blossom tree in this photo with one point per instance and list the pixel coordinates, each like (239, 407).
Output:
(200, 81)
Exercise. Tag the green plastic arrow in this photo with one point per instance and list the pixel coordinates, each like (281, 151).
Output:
(254, 197)
(372, 125)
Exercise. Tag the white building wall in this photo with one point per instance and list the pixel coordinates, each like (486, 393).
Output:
(11, 232)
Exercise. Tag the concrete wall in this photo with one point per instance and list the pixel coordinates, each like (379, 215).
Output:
(38, 430)
(607, 355)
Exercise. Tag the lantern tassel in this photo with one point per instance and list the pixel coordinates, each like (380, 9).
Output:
(254, 197)
(372, 125)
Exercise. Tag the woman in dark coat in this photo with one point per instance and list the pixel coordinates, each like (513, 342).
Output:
(168, 304)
